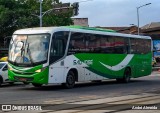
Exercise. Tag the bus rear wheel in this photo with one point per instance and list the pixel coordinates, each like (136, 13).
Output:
(36, 85)
(70, 80)
(127, 75)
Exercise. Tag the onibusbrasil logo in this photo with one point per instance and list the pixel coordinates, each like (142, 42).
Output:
(21, 108)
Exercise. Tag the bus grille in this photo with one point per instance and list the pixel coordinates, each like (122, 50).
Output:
(25, 73)
(17, 78)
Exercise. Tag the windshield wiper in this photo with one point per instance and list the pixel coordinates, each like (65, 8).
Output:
(29, 54)
(22, 49)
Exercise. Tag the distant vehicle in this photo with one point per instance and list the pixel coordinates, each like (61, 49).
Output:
(4, 73)
(3, 59)
(69, 54)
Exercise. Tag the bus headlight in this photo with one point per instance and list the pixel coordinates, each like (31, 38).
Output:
(10, 68)
(40, 70)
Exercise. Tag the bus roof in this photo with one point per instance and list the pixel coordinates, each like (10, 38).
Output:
(48, 29)
(51, 30)
(91, 28)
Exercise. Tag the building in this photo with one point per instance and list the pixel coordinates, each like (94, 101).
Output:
(81, 21)
(127, 30)
(153, 29)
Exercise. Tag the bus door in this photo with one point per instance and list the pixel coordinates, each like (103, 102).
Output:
(57, 52)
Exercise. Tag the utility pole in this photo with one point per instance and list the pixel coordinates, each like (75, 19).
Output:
(138, 14)
(40, 15)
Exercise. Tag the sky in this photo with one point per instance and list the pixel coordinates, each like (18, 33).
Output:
(117, 13)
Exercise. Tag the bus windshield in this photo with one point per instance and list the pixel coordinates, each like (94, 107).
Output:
(29, 49)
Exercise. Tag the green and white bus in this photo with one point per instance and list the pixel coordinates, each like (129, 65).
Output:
(69, 54)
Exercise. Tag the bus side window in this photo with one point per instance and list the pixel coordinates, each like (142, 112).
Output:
(57, 48)
(133, 46)
(77, 43)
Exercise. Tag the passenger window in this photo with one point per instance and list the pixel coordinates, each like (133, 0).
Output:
(77, 43)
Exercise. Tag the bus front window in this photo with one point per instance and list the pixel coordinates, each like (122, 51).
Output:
(32, 49)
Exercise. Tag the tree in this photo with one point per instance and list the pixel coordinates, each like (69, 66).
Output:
(17, 14)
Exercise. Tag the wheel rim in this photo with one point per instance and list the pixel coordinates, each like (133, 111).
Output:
(70, 79)
(127, 75)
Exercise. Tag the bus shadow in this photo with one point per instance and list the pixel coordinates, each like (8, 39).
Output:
(6, 85)
(82, 85)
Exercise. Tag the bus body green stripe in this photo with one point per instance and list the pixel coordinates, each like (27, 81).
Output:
(138, 66)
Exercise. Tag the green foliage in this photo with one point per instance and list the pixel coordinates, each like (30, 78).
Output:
(17, 14)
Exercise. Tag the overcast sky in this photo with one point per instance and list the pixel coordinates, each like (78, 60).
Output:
(112, 13)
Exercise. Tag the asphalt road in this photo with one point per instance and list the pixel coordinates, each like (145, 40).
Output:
(141, 91)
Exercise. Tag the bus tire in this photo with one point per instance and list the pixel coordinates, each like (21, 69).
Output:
(70, 80)
(36, 85)
(127, 75)
(11, 83)
(119, 80)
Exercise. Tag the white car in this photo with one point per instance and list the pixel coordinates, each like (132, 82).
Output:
(4, 73)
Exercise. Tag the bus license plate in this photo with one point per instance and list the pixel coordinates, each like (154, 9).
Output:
(22, 79)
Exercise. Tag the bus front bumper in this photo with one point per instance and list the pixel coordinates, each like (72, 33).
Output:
(40, 77)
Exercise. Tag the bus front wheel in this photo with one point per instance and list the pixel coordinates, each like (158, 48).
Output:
(36, 85)
(70, 80)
